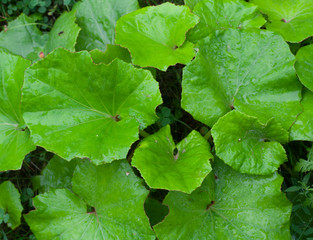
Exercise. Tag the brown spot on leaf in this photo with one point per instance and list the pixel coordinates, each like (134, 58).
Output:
(117, 118)
(210, 205)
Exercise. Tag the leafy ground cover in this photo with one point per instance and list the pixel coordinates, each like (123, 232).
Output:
(155, 119)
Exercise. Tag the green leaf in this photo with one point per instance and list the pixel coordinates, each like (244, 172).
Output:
(302, 129)
(57, 174)
(164, 168)
(97, 20)
(290, 18)
(249, 70)
(222, 14)
(304, 166)
(10, 204)
(249, 146)
(15, 140)
(155, 210)
(112, 52)
(116, 197)
(76, 108)
(229, 205)
(192, 3)
(2, 214)
(25, 39)
(304, 66)
(63, 34)
(293, 189)
(158, 35)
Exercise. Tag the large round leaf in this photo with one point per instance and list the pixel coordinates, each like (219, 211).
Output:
(164, 168)
(161, 32)
(76, 108)
(108, 205)
(221, 14)
(304, 66)
(249, 70)
(290, 18)
(97, 18)
(15, 140)
(10, 205)
(228, 205)
(302, 129)
(247, 145)
(25, 39)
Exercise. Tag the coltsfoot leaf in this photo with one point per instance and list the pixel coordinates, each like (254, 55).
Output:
(249, 70)
(15, 140)
(97, 18)
(107, 203)
(164, 168)
(304, 66)
(158, 35)
(25, 39)
(76, 108)
(57, 174)
(290, 18)
(228, 205)
(249, 146)
(302, 129)
(222, 14)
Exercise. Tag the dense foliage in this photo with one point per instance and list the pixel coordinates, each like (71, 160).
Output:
(172, 121)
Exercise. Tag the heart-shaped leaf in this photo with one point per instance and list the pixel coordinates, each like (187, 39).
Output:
(107, 204)
(222, 14)
(304, 66)
(249, 70)
(97, 18)
(10, 204)
(15, 140)
(157, 35)
(76, 108)
(290, 18)
(166, 166)
(25, 39)
(228, 205)
(302, 129)
(249, 146)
